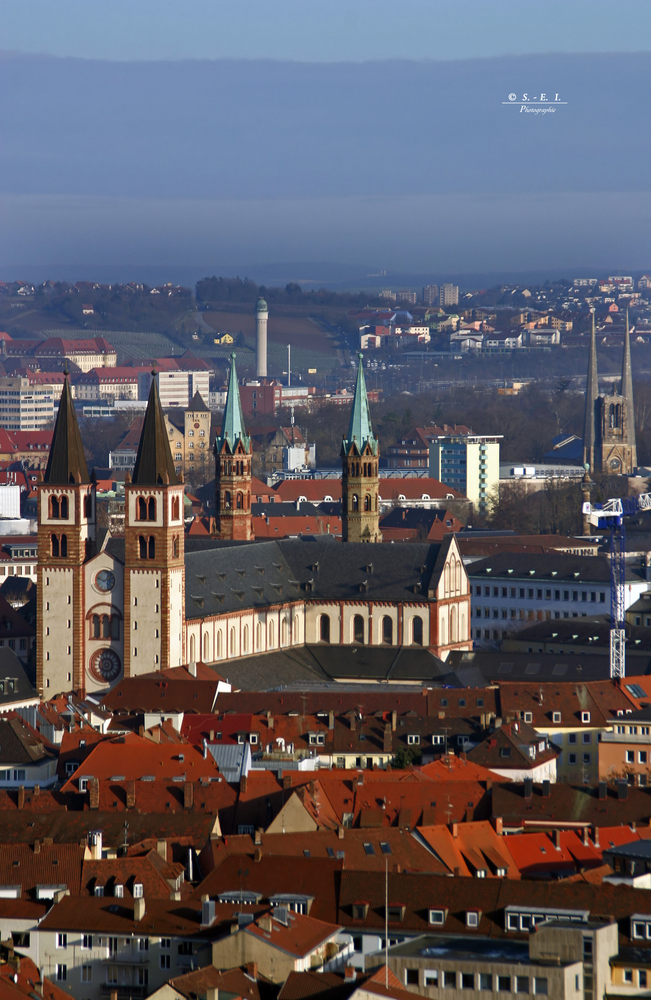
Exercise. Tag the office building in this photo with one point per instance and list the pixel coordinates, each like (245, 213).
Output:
(469, 463)
(449, 295)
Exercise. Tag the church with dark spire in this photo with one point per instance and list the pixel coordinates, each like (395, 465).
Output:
(233, 469)
(360, 485)
(609, 420)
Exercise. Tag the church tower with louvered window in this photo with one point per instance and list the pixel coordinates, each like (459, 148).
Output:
(360, 455)
(233, 469)
(154, 574)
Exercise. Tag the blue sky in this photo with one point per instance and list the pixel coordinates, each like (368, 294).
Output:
(369, 133)
(322, 30)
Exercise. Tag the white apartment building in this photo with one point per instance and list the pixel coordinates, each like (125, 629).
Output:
(176, 388)
(24, 405)
(511, 590)
(469, 463)
(448, 295)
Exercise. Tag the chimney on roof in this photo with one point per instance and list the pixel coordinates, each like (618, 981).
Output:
(93, 793)
(603, 791)
(341, 832)
(188, 795)
(161, 848)
(595, 836)
(257, 854)
(528, 788)
(36, 791)
(252, 969)
(394, 720)
(139, 908)
(243, 784)
(21, 797)
(454, 830)
(257, 837)
(457, 872)
(192, 668)
(586, 839)
(386, 746)
(212, 735)
(546, 788)
(271, 722)
(331, 719)
(287, 782)
(557, 839)
(207, 911)
(499, 826)
(622, 791)
(37, 847)
(462, 755)
(350, 974)
(264, 923)
(131, 795)
(95, 844)
(489, 784)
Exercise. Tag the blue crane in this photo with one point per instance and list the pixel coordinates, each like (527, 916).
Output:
(611, 514)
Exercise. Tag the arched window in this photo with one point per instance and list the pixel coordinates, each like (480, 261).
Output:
(272, 634)
(142, 509)
(142, 543)
(358, 629)
(324, 628)
(64, 546)
(454, 624)
(239, 501)
(283, 632)
(245, 639)
(220, 647)
(259, 636)
(95, 627)
(175, 508)
(88, 506)
(64, 507)
(458, 576)
(151, 509)
(387, 630)
(462, 628)
(355, 502)
(367, 502)
(106, 627)
(55, 508)
(231, 641)
(446, 579)
(54, 541)
(175, 547)
(443, 638)
(193, 649)
(152, 547)
(227, 500)
(417, 630)
(206, 647)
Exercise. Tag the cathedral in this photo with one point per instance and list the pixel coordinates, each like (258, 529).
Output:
(609, 421)
(112, 607)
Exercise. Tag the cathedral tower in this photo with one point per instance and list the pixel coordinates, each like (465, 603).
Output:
(66, 532)
(618, 448)
(154, 575)
(360, 454)
(591, 416)
(233, 469)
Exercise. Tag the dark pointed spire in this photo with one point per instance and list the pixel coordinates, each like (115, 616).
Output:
(197, 404)
(154, 465)
(67, 462)
(360, 429)
(591, 394)
(233, 429)
(627, 386)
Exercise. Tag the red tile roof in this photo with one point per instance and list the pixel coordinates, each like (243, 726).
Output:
(130, 757)
(300, 936)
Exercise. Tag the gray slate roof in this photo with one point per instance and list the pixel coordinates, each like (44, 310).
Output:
(222, 578)
(565, 568)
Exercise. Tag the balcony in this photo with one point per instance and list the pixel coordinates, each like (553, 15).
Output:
(127, 956)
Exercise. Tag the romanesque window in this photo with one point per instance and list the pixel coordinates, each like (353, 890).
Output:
(175, 547)
(58, 508)
(272, 634)
(245, 639)
(387, 630)
(206, 647)
(152, 547)
(295, 633)
(147, 547)
(175, 508)
(259, 636)
(231, 641)
(358, 629)
(64, 546)
(283, 632)
(417, 630)
(454, 630)
(220, 647)
(193, 651)
(227, 500)
(355, 502)
(367, 502)
(104, 627)
(88, 506)
(239, 501)
(54, 545)
(324, 628)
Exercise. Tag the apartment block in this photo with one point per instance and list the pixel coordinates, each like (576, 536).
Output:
(24, 404)
(469, 463)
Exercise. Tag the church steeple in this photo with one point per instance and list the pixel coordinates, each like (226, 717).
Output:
(233, 469)
(154, 465)
(627, 387)
(360, 488)
(66, 463)
(591, 402)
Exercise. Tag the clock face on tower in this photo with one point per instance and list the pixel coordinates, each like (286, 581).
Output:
(105, 581)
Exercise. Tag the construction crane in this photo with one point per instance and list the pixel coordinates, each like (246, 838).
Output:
(611, 514)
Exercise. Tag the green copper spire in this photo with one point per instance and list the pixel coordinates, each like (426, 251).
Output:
(233, 428)
(360, 431)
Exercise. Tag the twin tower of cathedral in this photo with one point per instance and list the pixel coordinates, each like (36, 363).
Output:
(609, 421)
(360, 455)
